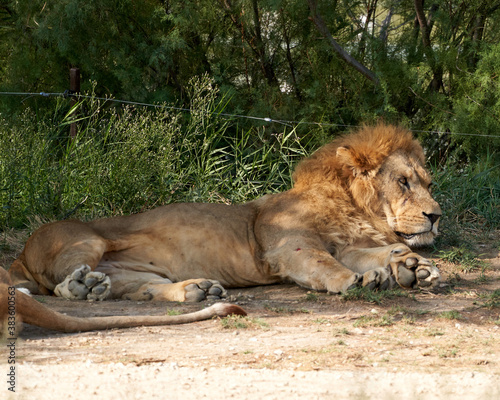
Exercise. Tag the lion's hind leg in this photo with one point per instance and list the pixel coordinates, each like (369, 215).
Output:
(131, 284)
(191, 290)
(202, 289)
(83, 283)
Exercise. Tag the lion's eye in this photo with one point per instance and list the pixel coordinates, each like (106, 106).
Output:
(404, 181)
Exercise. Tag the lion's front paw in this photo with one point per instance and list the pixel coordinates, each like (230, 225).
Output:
(412, 270)
(349, 282)
(379, 278)
(204, 289)
(428, 276)
(83, 284)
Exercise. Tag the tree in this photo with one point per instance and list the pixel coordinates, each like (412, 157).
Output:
(320, 24)
(341, 62)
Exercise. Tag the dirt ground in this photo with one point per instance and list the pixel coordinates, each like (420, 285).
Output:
(294, 344)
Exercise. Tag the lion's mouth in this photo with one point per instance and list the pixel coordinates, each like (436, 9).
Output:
(408, 236)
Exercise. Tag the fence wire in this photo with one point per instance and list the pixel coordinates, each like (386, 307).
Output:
(68, 94)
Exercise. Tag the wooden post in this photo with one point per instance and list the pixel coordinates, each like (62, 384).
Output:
(74, 87)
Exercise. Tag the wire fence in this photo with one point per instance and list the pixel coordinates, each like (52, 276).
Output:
(288, 123)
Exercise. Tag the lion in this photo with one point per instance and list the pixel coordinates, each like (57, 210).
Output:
(17, 307)
(356, 208)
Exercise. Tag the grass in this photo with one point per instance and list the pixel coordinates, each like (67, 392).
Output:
(392, 316)
(311, 296)
(374, 320)
(447, 353)
(41, 299)
(341, 332)
(279, 310)
(394, 310)
(130, 160)
(241, 322)
(469, 194)
(463, 258)
(434, 332)
(451, 315)
(287, 310)
(490, 300)
(322, 321)
(483, 278)
(377, 297)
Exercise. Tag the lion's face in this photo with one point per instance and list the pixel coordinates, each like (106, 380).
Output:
(382, 169)
(411, 212)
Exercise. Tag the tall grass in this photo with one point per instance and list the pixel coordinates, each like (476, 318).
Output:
(469, 194)
(128, 160)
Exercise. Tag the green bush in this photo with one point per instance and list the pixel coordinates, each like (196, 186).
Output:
(129, 160)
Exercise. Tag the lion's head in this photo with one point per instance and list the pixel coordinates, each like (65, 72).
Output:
(382, 169)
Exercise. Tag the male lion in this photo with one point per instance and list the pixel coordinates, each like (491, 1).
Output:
(355, 207)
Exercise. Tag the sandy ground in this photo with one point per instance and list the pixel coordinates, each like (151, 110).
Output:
(294, 344)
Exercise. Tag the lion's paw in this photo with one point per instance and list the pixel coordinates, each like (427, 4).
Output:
(83, 284)
(352, 282)
(204, 289)
(412, 270)
(428, 276)
(378, 279)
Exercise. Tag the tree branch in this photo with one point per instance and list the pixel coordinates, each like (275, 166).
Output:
(253, 40)
(323, 29)
(425, 28)
(289, 56)
(422, 21)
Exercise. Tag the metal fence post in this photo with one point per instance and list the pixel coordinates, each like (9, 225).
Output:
(74, 87)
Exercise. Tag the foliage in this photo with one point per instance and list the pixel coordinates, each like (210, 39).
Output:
(241, 322)
(377, 297)
(129, 160)
(477, 110)
(490, 300)
(465, 258)
(439, 73)
(469, 193)
(132, 159)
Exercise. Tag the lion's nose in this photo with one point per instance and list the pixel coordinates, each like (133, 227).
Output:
(432, 217)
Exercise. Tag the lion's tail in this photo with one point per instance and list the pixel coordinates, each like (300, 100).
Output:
(37, 314)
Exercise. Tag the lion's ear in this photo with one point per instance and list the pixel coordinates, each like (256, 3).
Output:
(359, 162)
